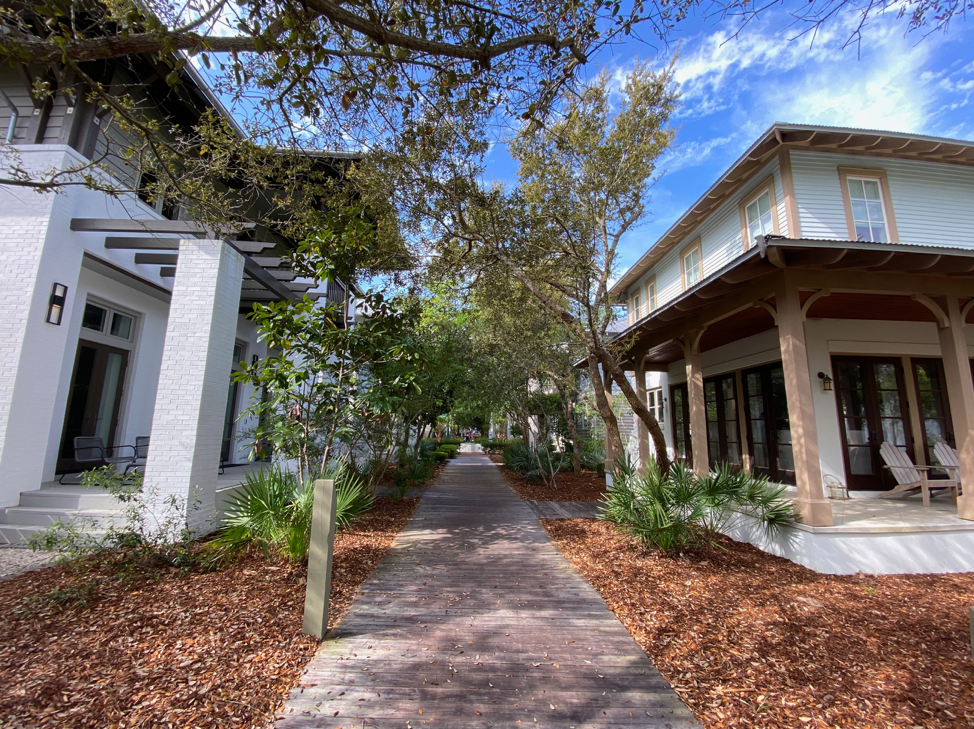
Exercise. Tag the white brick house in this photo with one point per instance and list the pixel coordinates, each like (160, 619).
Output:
(152, 320)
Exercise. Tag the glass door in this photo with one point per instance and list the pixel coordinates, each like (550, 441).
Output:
(768, 426)
(681, 424)
(94, 399)
(928, 376)
(723, 433)
(872, 403)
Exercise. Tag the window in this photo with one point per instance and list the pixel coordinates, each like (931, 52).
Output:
(634, 313)
(682, 450)
(723, 433)
(102, 319)
(651, 296)
(654, 403)
(692, 265)
(868, 206)
(152, 194)
(867, 210)
(759, 213)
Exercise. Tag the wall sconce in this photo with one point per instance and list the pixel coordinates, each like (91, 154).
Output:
(253, 360)
(55, 307)
(826, 381)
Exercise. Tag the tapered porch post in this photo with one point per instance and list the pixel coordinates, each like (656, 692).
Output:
(698, 408)
(642, 432)
(960, 391)
(814, 508)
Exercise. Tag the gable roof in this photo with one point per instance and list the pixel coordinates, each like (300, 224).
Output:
(781, 136)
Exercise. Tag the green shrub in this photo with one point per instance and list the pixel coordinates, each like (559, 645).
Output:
(450, 449)
(679, 511)
(496, 445)
(593, 456)
(451, 441)
(534, 463)
(439, 456)
(273, 509)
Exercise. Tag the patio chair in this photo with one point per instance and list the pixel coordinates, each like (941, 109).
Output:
(141, 453)
(947, 458)
(910, 477)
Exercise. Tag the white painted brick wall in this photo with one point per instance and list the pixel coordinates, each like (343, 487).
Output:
(187, 425)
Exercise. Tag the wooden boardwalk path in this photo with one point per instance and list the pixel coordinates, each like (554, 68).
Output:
(474, 619)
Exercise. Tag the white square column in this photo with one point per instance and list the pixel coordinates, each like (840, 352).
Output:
(35, 255)
(187, 423)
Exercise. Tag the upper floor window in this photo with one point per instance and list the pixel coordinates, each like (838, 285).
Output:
(150, 193)
(868, 216)
(651, 296)
(634, 312)
(692, 264)
(759, 213)
(868, 206)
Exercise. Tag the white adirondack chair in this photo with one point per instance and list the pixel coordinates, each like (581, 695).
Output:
(910, 477)
(947, 457)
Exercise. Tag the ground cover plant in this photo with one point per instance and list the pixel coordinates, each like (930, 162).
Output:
(80, 647)
(752, 641)
(586, 486)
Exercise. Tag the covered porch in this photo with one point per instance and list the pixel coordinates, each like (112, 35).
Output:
(799, 358)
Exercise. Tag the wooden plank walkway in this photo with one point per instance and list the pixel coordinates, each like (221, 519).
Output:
(474, 619)
(565, 509)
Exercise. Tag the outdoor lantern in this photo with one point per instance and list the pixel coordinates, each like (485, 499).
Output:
(253, 360)
(55, 308)
(826, 381)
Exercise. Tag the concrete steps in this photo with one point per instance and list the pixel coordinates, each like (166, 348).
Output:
(40, 508)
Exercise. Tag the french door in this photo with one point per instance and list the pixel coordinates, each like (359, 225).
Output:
(94, 399)
(931, 388)
(723, 431)
(768, 427)
(681, 423)
(872, 404)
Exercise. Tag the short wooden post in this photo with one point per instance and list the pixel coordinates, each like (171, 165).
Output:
(320, 554)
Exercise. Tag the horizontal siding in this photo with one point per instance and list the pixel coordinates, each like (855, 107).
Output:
(720, 239)
(933, 204)
(13, 84)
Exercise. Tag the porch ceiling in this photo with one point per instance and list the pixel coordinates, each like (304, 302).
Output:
(864, 281)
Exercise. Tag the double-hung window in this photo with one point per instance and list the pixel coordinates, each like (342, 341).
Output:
(868, 216)
(868, 205)
(634, 312)
(759, 213)
(692, 264)
(654, 403)
(651, 296)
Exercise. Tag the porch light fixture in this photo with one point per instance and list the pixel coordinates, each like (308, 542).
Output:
(55, 307)
(826, 381)
(254, 360)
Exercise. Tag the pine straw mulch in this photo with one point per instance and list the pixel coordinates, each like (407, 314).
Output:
(161, 648)
(568, 486)
(751, 640)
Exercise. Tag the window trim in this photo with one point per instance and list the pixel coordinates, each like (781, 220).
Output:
(651, 301)
(882, 178)
(683, 263)
(103, 336)
(658, 409)
(766, 185)
(635, 307)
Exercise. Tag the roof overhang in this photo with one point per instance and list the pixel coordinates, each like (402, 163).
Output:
(744, 282)
(779, 137)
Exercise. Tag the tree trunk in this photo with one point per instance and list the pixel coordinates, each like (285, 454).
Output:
(613, 441)
(639, 408)
(568, 406)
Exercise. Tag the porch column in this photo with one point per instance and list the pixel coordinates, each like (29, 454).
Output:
(191, 401)
(814, 508)
(642, 432)
(960, 391)
(698, 408)
(36, 255)
(610, 454)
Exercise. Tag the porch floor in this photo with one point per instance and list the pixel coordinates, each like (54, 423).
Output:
(896, 514)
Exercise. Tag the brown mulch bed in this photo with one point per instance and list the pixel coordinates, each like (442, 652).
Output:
(568, 486)
(751, 640)
(163, 649)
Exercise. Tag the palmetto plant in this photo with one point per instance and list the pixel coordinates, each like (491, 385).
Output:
(679, 511)
(273, 509)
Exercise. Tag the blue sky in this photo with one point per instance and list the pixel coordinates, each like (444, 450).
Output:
(735, 87)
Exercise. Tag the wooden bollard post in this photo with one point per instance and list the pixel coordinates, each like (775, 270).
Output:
(320, 554)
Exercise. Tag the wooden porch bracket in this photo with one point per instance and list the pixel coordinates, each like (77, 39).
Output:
(761, 304)
(942, 320)
(821, 293)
